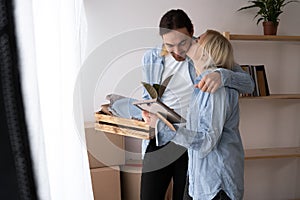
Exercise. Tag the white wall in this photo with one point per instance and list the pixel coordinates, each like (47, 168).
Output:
(120, 31)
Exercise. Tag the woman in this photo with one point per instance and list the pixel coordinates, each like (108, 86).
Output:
(211, 134)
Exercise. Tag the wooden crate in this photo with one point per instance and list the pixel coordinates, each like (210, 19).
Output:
(122, 126)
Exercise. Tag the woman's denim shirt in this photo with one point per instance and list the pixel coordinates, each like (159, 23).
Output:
(153, 68)
(211, 134)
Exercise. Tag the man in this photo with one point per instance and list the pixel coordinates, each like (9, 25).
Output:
(170, 161)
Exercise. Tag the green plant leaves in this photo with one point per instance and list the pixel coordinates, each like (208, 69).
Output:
(268, 10)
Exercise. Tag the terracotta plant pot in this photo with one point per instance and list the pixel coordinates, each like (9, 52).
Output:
(270, 28)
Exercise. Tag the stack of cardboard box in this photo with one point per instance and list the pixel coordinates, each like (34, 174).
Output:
(112, 177)
(130, 181)
(106, 152)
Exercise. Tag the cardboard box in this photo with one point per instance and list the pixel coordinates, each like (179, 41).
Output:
(131, 180)
(104, 149)
(106, 183)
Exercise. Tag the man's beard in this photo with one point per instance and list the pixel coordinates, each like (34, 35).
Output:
(178, 57)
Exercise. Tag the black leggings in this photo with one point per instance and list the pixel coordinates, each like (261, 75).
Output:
(160, 165)
(221, 196)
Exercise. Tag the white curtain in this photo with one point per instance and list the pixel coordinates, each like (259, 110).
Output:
(50, 35)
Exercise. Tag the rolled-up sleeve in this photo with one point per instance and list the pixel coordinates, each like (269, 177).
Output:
(237, 78)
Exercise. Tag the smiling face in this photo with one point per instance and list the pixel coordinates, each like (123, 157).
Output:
(178, 42)
(211, 50)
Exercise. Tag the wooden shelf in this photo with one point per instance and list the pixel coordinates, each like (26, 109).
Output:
(275, 96)
(281, 152)
(261, 37)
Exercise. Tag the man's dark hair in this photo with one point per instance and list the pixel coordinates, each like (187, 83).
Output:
(175, 19)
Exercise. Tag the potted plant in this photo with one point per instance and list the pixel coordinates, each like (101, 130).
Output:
(268, 12)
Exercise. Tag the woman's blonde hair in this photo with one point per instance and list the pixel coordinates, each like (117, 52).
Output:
(218, 48)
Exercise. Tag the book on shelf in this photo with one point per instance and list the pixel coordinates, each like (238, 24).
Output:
(258, 74)
(248, 69)
(156, 106)
(261, 78)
